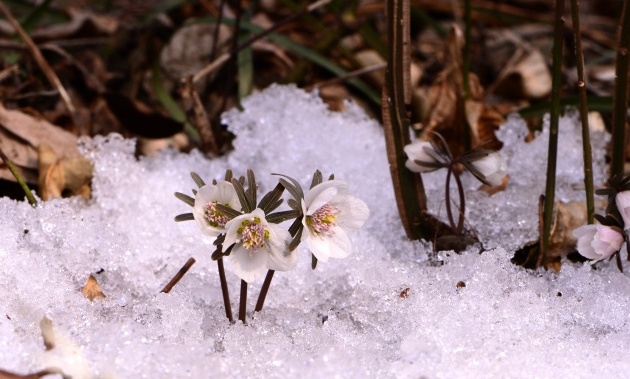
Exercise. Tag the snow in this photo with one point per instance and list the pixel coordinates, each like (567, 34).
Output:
(345, 319)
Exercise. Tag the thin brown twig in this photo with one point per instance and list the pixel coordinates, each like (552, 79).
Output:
(180, 274)
(39, 58)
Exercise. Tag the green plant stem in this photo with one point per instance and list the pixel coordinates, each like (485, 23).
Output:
(620, 101)
(586, 137)
(18, 177)
(242, 309)
(553, 128)
(224, 290)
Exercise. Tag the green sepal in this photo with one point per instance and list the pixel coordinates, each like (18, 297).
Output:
(293, 204)
(270, 202)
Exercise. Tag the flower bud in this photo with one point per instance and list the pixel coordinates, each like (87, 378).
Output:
(598, 242)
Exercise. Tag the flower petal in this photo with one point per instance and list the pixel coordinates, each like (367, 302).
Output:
(623, 204)
(416, 151)
(353, 212)
(247, 264)
(330, 246)
(323, 193)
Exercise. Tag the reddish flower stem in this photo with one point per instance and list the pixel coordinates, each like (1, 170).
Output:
(242, 309)
(263, 291)
(224, 290)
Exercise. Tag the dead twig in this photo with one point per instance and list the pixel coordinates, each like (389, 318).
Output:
(180, 274)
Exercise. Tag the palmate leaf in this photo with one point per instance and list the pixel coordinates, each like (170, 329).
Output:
(272, 200)
(251, 188)
(279, 217)
(247, 205)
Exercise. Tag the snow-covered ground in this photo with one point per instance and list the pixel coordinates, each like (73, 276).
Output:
(346, 319)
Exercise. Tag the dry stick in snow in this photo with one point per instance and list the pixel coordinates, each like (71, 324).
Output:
(180, 274)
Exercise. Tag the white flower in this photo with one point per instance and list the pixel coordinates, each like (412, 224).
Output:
(598, 242)
(259, 246)
(329, 213)
(421, 151)
(623, 204)
(209, 218)
(491, 169)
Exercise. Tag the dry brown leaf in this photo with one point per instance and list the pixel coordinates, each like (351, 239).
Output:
(21, 134)
(92, 290)
(566, 218)
(47, 333)
(63, 177)
(444, 109)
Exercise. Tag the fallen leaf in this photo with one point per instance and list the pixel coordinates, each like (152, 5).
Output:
(92, 290)
(63, 177)
(21, 134)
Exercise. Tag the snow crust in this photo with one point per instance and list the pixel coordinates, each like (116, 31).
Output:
(345, 319)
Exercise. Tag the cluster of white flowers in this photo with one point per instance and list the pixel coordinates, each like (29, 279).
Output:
(604, 240)
(250, 236)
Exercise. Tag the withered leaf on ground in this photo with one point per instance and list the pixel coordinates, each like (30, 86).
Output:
(63, 177)
(464, 123)
(21, 134)
(92, 290)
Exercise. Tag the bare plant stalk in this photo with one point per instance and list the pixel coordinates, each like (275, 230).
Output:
(620, 102)
(553, 128)
(180, 274)
(410, 196)
(242, 309)
(224, 290)
(18, 177)
(586, 136)
(462, 201)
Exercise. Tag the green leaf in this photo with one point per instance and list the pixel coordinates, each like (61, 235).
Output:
(229, 212)
(197, 179)
(251, 188)
(313, 261)
(317, 178)
(242, 196)
(271, 198)
(184, 217)
(167, 101)
(279, 217)
(185, 198)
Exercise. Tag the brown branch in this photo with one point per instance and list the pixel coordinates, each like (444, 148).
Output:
(180, 274)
